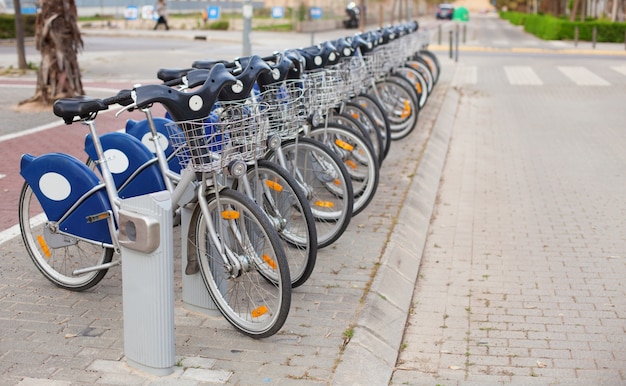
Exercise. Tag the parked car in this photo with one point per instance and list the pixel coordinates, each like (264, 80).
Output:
(444, 11)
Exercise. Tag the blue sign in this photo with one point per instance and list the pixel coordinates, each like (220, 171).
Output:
(278, 12)
(316, 13)
(131, 13)
(213, 12)
(28, 10)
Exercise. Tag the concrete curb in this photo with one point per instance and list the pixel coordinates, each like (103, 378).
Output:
(371, 354)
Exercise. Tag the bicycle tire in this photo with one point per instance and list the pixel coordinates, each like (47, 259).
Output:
(255, 299)
(399, 104)
(374, 108)
(324, 181)
(289, 211)
(342, 119)
(70, 255)
(432, 61)
(416, 80)
(367, 121)
(358, 156)
(418, 63)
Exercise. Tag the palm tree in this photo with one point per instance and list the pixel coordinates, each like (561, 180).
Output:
(59, 40)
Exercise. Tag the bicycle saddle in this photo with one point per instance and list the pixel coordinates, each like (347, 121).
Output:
(207, 64)
(79, 106)
(170, 74)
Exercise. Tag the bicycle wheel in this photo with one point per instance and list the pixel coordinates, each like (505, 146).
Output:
(432, 61)
(358, 156)
(285, 204)
(252, 289)
(325, 182)
(401, 108)
(58, 256)
(416, 81)
(368, 124)
(374, 108)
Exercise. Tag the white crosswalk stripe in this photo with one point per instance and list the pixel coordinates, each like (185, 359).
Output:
(522, 76)
(582, 76)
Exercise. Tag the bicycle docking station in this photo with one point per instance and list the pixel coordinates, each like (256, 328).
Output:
(195, 295)
(146, 240)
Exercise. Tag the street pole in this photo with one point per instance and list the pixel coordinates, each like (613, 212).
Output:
(246, 10)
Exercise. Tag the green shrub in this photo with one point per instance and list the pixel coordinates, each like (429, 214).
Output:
(219, 25)
(551, 28)
(7, 26)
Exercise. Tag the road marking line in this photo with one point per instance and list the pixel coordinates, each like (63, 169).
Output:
(620, 69)
(582, 76)
(522, 76)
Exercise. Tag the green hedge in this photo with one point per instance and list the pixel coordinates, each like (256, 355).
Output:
(551, 28)
(7, 26)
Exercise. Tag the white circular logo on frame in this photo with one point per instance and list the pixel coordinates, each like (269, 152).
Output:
(332, 57)
(317, 60)
(237, 87)
(276, 73)
(55, 186)
(149, 143)
(117, 161)
(195, 102)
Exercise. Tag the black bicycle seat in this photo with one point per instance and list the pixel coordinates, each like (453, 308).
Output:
(79, 106)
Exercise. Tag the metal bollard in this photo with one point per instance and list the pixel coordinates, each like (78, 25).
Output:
(195, 295)
(594, 35)
(439, 34)
(464, 33)
(456, 53)
(450, 44)
(146, 239)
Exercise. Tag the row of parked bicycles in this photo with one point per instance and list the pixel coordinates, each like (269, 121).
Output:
(270, 157)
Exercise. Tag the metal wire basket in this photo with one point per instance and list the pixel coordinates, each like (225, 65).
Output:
(233, 131)
(286, 113)
(354, 74)
(323, 89)
(375, 63)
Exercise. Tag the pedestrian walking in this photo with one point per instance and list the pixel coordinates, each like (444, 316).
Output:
(161, 10)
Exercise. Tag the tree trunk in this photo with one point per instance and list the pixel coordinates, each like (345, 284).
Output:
(572, 16)
(58, 39)
(19, 36)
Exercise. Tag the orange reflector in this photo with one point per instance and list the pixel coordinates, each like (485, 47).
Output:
(269, 261)
(259, 311)
(230, 215)
(343, 145)
(324, 204)
(406, 111)
(350, 164)
(44, 246)
(418, 86)
(274, 185)
(355, 115)
(337, 182)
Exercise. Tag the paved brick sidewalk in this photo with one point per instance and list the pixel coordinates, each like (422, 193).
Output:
(522, 275)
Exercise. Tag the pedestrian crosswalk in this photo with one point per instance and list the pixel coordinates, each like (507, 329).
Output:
(528, 76)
